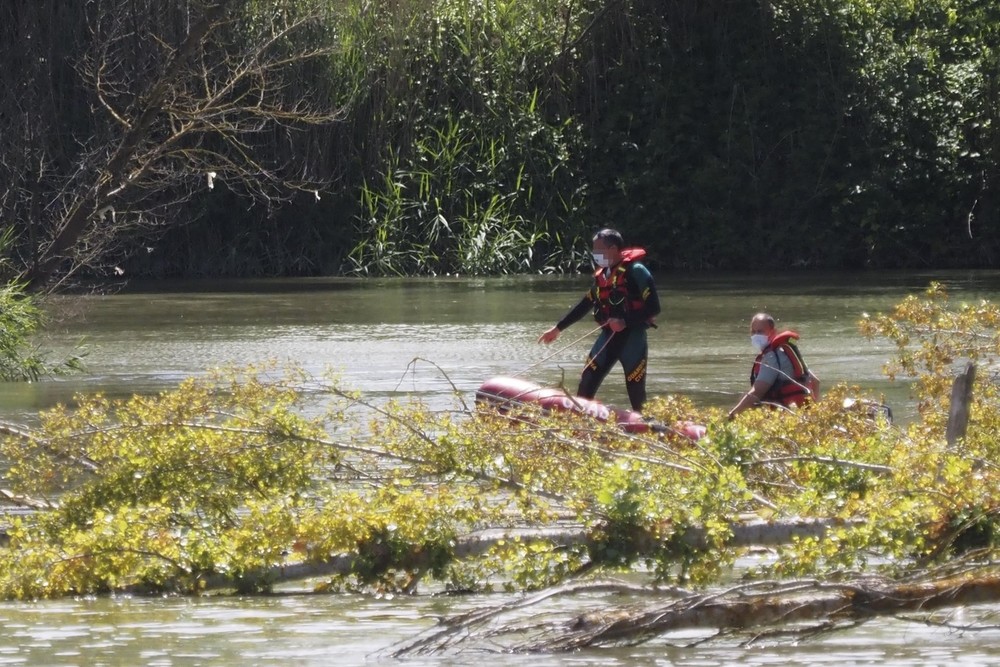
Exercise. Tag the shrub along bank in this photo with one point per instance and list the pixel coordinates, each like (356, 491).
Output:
(492, 137)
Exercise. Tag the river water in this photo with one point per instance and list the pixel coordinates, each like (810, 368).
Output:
(395, 338)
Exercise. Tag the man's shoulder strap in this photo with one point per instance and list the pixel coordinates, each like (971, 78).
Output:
(792, 351)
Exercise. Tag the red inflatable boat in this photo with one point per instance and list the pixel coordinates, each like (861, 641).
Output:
(503, 393)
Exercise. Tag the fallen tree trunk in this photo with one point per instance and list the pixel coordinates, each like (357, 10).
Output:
(749, 533)
(796, 607)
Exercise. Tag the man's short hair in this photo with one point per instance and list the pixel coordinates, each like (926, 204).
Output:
(767, 318)
(611, 237)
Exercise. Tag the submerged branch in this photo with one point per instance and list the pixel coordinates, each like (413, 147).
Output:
(753, 609)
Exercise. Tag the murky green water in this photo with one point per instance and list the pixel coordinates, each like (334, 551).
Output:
(398, 337)
(470, 329)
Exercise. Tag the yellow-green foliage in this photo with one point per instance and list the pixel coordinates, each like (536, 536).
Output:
(932, 339)
(161, 490)
(223, 479)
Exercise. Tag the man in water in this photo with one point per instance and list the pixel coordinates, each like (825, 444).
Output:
(624, 302)
(779, 375)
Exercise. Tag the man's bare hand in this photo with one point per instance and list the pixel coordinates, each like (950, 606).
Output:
(550, 335)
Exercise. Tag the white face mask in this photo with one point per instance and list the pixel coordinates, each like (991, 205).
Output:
(759, 341)
(600, 260)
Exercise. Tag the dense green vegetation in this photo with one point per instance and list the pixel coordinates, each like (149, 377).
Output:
(22, 320)
(490, 136)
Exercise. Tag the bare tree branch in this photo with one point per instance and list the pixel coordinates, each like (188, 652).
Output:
(760, 610)
(181, 100)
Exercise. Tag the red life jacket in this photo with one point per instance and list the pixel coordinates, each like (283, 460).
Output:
(789, 389)
(611, 294)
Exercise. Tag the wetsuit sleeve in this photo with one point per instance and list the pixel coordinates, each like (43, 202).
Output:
(645, 289)
(585, 306)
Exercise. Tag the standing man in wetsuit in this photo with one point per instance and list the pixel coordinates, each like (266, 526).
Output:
(624, 302)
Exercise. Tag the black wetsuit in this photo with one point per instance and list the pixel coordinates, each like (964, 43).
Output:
(628, 346)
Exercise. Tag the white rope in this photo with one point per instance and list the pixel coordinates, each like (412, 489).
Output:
(560, 350)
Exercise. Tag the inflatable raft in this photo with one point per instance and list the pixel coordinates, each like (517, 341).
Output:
(506, 393)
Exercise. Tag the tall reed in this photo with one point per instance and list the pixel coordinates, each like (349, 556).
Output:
(476, 168)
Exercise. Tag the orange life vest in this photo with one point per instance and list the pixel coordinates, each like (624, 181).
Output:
(611, 294)
(789, 389)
